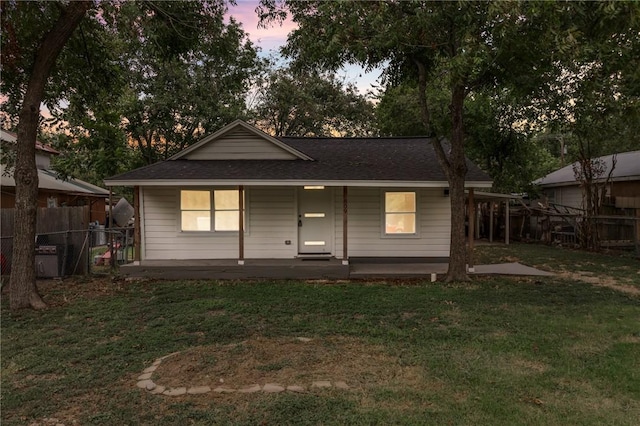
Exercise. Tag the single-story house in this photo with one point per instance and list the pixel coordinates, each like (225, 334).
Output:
(618, 222)
(52, 191)
(623, 191)
(240, 193)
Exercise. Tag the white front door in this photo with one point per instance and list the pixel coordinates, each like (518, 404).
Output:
(314, 221)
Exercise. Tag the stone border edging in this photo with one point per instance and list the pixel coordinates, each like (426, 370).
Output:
(145, 382)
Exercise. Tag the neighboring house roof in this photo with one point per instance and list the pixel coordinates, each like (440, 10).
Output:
(12, 138)
(48, 180)
(627, 167)
(337, 161)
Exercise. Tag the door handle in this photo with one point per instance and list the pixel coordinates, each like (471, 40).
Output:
(299, 220)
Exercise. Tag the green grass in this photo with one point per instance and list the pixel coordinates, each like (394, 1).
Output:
(620, 267)
(495, 351)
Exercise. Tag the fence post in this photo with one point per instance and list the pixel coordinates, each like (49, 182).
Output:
(112, 262)
(636, 237)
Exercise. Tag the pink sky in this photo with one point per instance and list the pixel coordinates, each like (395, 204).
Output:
(270, 39)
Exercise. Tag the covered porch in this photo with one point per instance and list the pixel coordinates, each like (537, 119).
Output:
(328, 268)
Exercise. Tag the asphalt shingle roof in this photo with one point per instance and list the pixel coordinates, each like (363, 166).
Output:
(627, 167)
(335, 159)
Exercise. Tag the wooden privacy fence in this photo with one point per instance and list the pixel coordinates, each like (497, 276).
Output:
(61, 226)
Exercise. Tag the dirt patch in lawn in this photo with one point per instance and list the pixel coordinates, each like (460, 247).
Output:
(285, 361)
(601, 281)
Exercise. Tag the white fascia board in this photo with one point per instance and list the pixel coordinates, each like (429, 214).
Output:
(354, 183)
(574, 183)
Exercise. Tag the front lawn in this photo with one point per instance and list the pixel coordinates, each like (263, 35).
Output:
(498, 350)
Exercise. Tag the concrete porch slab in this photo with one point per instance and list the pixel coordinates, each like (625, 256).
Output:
(229, 269)
(330, 269)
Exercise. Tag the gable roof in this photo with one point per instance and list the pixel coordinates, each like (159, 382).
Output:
(48, 179)
(239, 125)
(408, 161)
(627, 168)
(12, 138)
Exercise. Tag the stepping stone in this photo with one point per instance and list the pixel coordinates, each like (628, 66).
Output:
(175, 392)
(142, 384)
(197, 390)
(321, 384)
(150, 369)
(272, 388)
(304, 339)
(341, 385)
(150, 386)
(250, 389)
(224, 390)
(295, 388)
(158, 389)
(144, 376)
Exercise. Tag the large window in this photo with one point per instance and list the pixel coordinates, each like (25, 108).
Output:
(216, 210)
(400, 213)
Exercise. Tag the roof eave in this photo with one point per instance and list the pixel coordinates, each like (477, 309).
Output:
(292, 182)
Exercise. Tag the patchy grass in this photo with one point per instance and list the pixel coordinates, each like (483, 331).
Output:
(611, 269)
(497, 351)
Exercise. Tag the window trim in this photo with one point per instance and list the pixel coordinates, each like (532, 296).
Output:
(383, 214)
(212, 210)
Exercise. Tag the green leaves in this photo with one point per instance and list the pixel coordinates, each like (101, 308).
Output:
(301, 103)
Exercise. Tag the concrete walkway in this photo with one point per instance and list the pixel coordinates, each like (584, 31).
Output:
(514, 268)
(420, 270)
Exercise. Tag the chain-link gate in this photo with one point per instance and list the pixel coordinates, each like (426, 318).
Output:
(75, 252)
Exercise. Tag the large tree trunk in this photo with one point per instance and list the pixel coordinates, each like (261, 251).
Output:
(455, 168)
(23, 290)
(456, 174)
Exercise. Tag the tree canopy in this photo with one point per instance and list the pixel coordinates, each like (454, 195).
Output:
(464, 50)
(174, 68)
(309, 103)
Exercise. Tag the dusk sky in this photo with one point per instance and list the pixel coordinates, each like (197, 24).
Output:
(270, 40)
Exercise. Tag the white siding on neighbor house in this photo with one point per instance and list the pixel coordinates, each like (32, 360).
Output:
(239, 144)
(270, 222)
(366, 222)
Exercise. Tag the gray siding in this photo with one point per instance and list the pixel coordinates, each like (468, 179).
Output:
(239, 144)
(272, 220)
(365, 224)
(565, 195)
(569, 196)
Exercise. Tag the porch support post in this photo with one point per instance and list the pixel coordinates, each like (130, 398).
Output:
(241, 225)
(507, 225)
(472, 223)
(345, 223)
(136, 224)
(491, 222)
(477, 234)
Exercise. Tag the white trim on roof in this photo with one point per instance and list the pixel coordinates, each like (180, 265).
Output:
(627, 169)
(48, 180)
(287, 182)
(249, 128)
